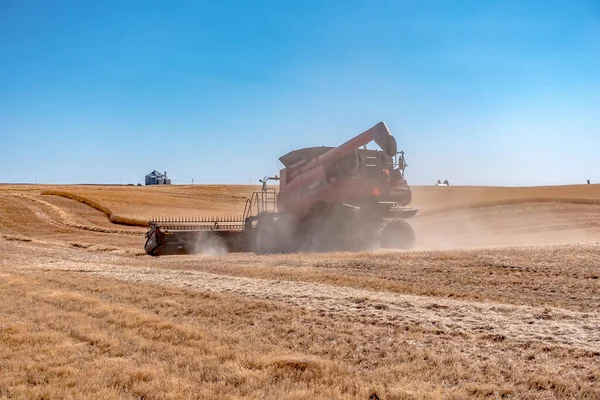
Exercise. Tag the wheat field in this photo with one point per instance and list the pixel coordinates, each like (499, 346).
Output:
(501, 299)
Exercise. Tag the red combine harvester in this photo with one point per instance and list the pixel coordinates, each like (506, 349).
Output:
(330, 198)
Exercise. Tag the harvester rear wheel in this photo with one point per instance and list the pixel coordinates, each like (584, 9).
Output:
(398, 235)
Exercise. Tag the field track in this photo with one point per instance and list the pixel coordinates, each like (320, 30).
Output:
(500, 300)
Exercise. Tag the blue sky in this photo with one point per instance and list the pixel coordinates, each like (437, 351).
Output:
(477, 92)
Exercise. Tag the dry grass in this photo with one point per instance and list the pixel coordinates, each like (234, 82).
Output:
(55, 331)
(433, 199)
(162, 333)
(66, 218)
(139, 204)
(116, 219)
(505, 322)
(47, 218)
(135, 205)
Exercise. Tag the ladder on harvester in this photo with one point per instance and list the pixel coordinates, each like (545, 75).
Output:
(261, 202)
(264, 201)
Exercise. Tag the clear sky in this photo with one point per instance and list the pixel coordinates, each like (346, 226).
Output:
(476, 92)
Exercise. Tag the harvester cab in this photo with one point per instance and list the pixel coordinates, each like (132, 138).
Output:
(330, 198)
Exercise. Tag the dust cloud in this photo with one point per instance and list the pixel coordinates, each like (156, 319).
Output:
(209, 244)
(509, 225)
(500, 225)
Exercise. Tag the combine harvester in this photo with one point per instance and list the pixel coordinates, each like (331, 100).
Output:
(343, 198)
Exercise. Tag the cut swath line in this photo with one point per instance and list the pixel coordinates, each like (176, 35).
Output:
(67, 220)
(116, 219)
(523, 324)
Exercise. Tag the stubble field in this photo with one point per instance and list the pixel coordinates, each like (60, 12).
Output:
(501, 299)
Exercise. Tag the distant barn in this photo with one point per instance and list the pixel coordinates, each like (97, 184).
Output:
(156, 178)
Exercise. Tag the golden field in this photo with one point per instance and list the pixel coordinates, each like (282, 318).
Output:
(501, 299)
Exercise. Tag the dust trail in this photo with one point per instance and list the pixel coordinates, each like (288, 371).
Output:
(522, 224)
(207, 243)
(522, 324)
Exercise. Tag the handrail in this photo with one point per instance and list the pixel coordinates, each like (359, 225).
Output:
(267, 202)
(247, 208)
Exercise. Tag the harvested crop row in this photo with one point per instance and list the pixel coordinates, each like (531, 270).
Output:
(116, 219)
(67, 220)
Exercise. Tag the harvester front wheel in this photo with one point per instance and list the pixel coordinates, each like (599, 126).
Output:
(273, 235)
(398, 235)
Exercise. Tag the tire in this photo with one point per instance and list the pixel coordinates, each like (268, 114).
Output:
(398, 235)
(264, 236)
(274, 235)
